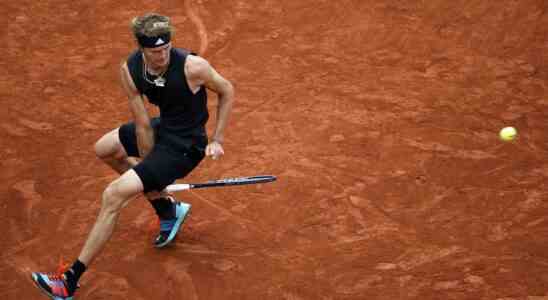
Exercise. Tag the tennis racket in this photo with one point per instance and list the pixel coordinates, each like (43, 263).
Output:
(221, 182)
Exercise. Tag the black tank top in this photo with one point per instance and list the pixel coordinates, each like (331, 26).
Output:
(182, 112)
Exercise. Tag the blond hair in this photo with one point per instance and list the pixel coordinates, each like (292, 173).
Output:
(151, 25)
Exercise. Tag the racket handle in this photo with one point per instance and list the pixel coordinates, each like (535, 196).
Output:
(178, 187)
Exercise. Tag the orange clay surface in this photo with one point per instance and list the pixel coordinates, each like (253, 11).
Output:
(380, 119)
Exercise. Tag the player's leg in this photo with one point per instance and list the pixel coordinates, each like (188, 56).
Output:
(118, 149)
(110, 150)
(167, 164)
(114, 198)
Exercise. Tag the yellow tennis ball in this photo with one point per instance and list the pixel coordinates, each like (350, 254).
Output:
(508, 133)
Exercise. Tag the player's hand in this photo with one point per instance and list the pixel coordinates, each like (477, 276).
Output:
(214, 149)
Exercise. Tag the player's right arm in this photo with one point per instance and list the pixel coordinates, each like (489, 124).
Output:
(143, 130)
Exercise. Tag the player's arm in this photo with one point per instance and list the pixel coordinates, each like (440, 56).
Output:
(201, 72)
(143, 130)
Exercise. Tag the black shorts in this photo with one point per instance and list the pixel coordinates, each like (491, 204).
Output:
(172, 156)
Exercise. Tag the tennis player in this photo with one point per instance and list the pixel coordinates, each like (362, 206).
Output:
(168, 147)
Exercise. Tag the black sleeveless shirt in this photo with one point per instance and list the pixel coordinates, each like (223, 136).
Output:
(182, 113)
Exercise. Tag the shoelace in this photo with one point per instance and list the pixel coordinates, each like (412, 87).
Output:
(55, 276)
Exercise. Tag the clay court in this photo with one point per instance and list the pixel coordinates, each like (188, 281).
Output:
(379, 118)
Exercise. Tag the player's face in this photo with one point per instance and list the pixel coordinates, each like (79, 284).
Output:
(157, 57)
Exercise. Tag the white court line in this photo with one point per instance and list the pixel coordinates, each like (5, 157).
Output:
(202, 32)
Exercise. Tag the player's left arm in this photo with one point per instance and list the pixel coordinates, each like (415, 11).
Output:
(202, 73)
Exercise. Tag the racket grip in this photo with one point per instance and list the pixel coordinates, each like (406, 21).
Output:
(177, 187)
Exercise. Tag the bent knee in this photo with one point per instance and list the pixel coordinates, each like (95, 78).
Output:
(119, 192)
(109, 147)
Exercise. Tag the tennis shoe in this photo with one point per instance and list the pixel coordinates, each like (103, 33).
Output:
(53, 285)
(170, 227)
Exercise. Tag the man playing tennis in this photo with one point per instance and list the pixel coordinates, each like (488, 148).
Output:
(170, 146)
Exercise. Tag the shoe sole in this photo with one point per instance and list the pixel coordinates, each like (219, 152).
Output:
(176, 228)
(35, 280)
